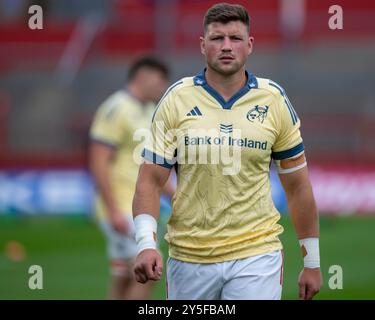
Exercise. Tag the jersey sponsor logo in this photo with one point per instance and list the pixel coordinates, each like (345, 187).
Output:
(225, 140)
(194, 112)
(257, 113)
(226, 128)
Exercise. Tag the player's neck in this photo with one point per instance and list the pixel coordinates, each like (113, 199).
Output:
(226, 86)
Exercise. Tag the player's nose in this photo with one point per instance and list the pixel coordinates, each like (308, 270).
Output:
(227, 44)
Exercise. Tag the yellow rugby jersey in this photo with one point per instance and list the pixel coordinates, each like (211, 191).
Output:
(114, 125)
(222, 210)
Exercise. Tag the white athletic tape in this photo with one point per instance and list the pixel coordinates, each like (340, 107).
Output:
(310, 250)
(145, 231)
(290, 170)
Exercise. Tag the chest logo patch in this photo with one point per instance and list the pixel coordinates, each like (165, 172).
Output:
(258, 112)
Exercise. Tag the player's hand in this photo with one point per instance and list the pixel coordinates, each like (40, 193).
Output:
(119, 222)
(148, 266)
(310, 281)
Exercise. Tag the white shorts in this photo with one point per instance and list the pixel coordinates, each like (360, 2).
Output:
(255, 278)
(119, 246)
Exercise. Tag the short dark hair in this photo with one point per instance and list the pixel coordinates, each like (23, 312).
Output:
(226, 12)
(147, 62)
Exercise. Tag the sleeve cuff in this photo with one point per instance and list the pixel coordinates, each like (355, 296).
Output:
(280, 155)
(107, 143)
(154, 158)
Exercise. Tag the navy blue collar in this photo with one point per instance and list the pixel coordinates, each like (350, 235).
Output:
(200, 80)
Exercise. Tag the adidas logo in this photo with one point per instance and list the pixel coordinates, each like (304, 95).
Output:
(226, 128)
(194, 112)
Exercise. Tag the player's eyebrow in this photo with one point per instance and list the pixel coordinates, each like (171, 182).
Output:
(216, 34)
(220, 34)
(236, 36)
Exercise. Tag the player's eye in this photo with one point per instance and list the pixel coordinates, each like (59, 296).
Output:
(236, 38)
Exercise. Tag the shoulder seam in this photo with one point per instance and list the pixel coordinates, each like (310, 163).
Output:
(167, 92)
(182, 83)
(270, 89)
(282, 93)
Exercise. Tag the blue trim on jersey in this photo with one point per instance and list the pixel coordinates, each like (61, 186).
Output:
(104, 142)
(291, 107)
(292, 112)
(288, 153)
(154, 158)
(274, 84)
(164, 95)
(200, 80)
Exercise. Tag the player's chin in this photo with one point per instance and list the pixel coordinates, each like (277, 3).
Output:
(228, 69)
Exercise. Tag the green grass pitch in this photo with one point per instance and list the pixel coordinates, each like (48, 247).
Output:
(71, 251)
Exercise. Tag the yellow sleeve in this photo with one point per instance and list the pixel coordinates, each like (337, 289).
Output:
(289, 141)
(161, 148)
(109, 125)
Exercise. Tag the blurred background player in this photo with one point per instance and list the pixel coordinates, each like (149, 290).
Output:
(115, 170)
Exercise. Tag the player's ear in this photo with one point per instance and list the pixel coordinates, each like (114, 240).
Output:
(203, 48)
(250, 44)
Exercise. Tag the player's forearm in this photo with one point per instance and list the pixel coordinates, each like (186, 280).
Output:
(147, 198)
(146, 206)
(304, 212)
(101, 172)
